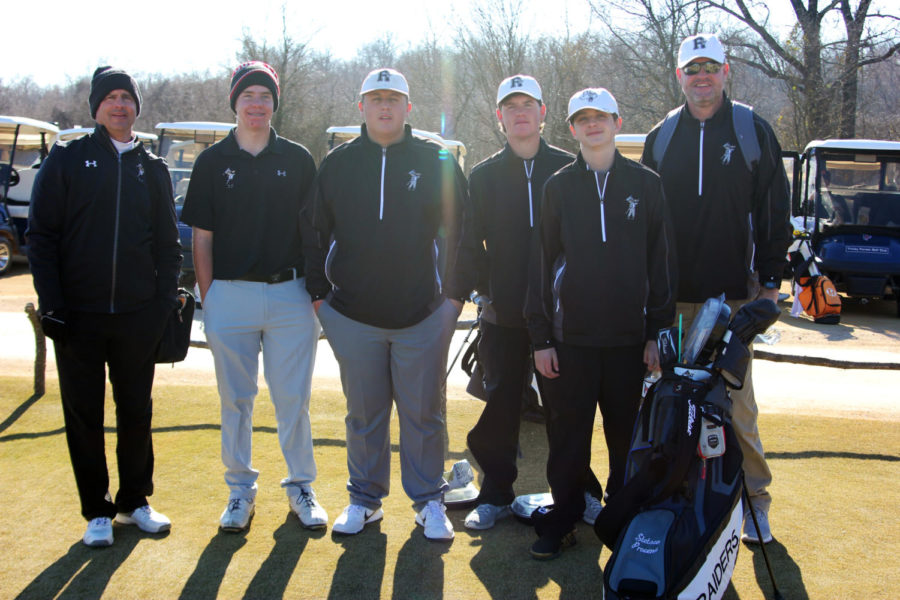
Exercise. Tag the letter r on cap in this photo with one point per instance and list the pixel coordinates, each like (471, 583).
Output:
(516, 82)
(384, 76)
(699, 43)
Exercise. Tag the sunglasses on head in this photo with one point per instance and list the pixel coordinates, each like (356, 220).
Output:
(709, 67)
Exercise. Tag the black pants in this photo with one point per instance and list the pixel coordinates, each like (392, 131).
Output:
(610, 377)
(127, 344)
(505, 356)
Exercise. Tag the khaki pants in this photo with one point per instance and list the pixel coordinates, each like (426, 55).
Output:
(744, 412)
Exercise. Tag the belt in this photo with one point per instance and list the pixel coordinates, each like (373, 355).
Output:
(285, 275)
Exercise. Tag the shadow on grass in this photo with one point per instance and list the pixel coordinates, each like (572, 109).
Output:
(204, 582)
(271, 580)
(83, 572)
(787, 572)
(16, 414)
(828, 454)
(360, 569)
(419, 572)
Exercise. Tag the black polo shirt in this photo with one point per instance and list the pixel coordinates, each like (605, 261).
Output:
(251, 204)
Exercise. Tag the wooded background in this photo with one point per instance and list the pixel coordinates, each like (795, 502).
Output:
(834, 73)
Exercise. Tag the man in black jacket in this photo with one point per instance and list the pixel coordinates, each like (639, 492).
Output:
(380, 205)
(732, 226)
(104, 254)
(602, 284)
(503, 211)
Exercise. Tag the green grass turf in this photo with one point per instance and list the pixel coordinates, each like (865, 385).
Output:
(834, 516)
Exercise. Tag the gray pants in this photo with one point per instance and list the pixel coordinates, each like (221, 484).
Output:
(240, 318)
(404, 365)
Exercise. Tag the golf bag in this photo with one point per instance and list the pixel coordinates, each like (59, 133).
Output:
(814, 292)
(674, 527)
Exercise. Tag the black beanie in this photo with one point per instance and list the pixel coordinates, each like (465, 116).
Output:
(107, 79)
(254, 72)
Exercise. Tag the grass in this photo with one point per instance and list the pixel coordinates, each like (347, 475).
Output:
(834, 515)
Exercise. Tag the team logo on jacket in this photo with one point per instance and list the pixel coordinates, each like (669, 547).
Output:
(229, 177)
(632, 207)
(726, 155)
(413, 180)
(140, 172)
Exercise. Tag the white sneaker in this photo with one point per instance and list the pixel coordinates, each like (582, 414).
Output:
(592, 508)
(750, 535)
(237, 514)
(146, 519)
(434, 519)
(98, 533)
(354, 518)
(484, 516)
(308, 509)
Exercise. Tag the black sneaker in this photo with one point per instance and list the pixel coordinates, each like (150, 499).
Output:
(550, 546)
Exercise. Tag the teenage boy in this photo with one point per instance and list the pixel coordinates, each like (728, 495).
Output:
(602, 283)
(501, 217)
(242, 202)
(104, 254)
(380, 206)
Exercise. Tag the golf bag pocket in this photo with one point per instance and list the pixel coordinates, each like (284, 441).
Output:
(640, 569)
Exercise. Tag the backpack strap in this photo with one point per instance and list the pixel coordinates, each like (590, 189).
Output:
(742, 117)
(664, 136)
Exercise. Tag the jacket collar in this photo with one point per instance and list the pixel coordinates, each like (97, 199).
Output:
(582, 167)
(101, 136)
(366, 140)
(508, 154)
(230, 145)
(719, 115)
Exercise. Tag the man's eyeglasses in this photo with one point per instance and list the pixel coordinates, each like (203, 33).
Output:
(709, 67)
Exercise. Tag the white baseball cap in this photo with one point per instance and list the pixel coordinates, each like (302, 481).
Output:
(385, 79)
(702, 45)
(519, 84)
(596, 98)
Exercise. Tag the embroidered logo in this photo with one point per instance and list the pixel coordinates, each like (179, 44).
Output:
(90, 163)
(699, 43)
(516, 82)
(384, 76)
(229, 177)
(280, 173)
(632, 206)
(588, 95)
(140, 172)
(413, 180)
(726, 156)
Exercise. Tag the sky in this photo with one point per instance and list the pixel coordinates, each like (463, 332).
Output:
(53, 41)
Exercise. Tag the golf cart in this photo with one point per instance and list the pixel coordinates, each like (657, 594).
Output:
(846, 198)
(179, 144)
(24, 144)
(337, 135)
(67, 135)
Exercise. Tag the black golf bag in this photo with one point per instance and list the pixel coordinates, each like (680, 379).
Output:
(674, 527)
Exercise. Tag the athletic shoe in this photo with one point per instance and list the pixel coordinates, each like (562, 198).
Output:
(354, 518)
(146, 519)
(592, 508)
(434, 519)
(762, 518)
(237, 514)
(308, 509)
(484, 516)
(550, 546)
(98, 533)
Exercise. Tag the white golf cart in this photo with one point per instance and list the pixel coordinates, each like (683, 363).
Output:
(24, 144)
(73, 133)
(337, 135)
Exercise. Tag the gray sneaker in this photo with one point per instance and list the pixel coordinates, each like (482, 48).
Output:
(484, 516)
(308, 509)
(592, 508)
(750, 536)
(237, 515)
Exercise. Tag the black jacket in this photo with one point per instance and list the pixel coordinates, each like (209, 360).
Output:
(382, 217)
(102, 236)
(602, 273)
(729, 222)
(499, 222)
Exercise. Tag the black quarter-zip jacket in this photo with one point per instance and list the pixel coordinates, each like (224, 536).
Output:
(102, 235)
(383, 217)
(503, 211)
(602, 273)
(729, 221)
